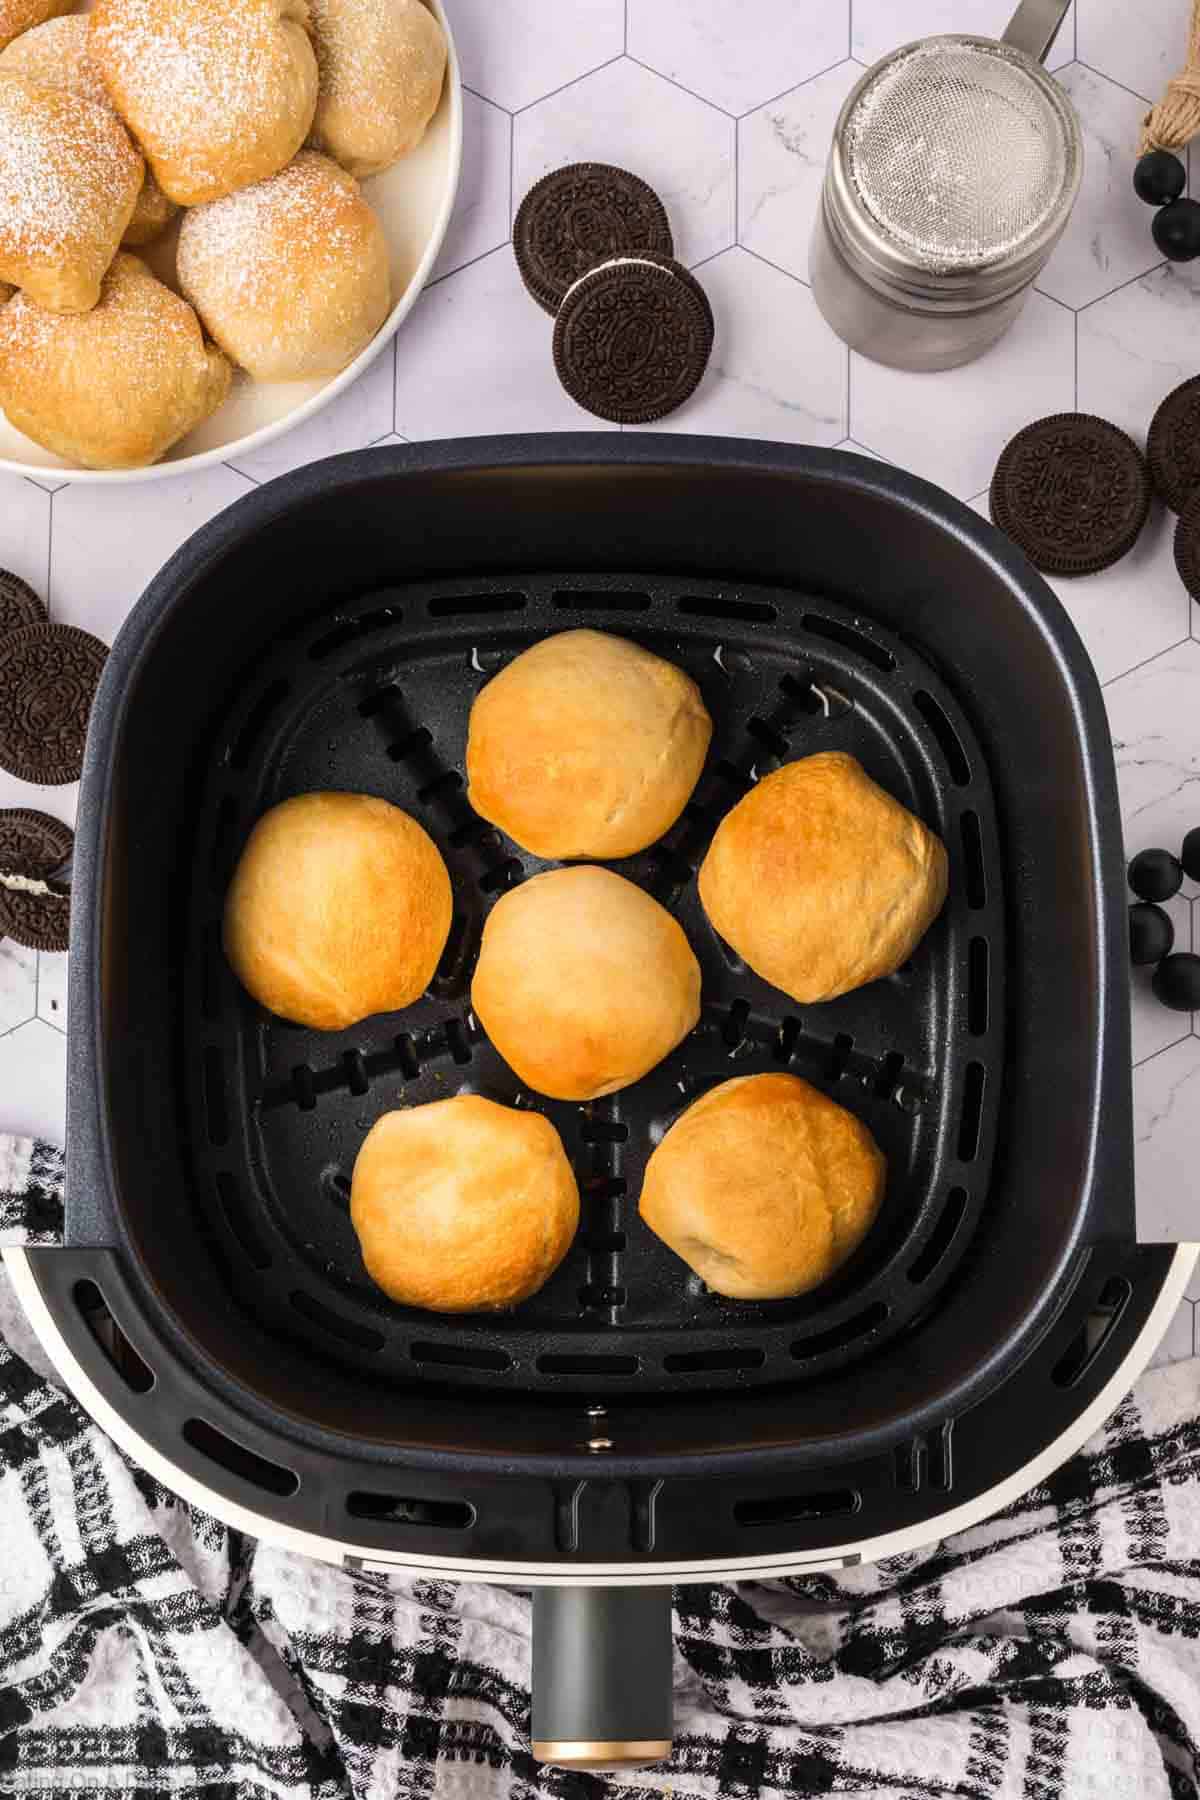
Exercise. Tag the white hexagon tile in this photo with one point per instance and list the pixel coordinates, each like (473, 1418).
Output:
(728, 111)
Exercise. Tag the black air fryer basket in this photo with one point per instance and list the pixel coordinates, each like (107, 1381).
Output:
(625, 1427)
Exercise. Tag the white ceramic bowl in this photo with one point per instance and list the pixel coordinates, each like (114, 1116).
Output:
(414, 201)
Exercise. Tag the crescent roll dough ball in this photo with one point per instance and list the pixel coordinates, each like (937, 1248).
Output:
(382, 64)
(113, 388)
(820, 880)
(17, 16)
(584, 982)
(463, 1205)
(291, 277)
(69, 181)
(57, 55)
(764, 1187)
(219, 93)
(339, 908)
(586, 746)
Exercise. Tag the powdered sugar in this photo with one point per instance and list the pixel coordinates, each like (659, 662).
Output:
(205, 83)
(381, 63)
(67, 169)
(289, 262)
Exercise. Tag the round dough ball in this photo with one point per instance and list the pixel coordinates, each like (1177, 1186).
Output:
(291, 277)
(586, 746)
(57, 55)
(764, 1187)
(820, 880)
(339, 908)
(116, 387)
(69, 178)
(17, 16)
(219, 93)
(463, 1205)
(584, 983)
(382, 64)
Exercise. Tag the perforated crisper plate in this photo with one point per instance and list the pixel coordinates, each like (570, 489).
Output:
(375, 698)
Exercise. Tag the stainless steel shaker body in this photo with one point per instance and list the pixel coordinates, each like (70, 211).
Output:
(955, 164)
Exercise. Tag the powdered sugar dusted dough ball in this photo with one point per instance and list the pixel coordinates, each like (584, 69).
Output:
(382, 64)
(219, 93)
(57, 55)
(291, 276)
(17, 16)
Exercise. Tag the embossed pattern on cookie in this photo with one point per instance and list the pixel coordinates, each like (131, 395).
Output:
(48, 680)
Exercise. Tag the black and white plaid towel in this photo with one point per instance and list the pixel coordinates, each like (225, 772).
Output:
(146, 1650)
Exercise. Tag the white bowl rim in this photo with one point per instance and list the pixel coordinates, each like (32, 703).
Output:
(46, 473)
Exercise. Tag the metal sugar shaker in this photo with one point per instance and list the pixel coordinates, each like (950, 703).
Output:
(955, 164)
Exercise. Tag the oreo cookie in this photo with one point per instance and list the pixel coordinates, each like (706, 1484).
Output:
(48, 680)
(1073, 491)
(581, 215)
(1187, 546)
(1173, 445)
(633, 338)
(32, 847)
(19, 604)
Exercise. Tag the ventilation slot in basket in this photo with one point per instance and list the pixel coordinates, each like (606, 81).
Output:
(970, 1120)
(949, 742)
(237, 1460)
(941, 1237)
(857, 642)
(860, 1326)
(588, 1365)
(1089, 1342)
(700, 1362)
(361, 1336)
(978, 1000)
(603, 599)
(461, 1356)
(724, 606)
(401, 1509)
(454, 606)
(117, 1348)
(795, 1509)
(973, 866)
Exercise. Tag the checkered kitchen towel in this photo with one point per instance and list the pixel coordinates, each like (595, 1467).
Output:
(146, 1650)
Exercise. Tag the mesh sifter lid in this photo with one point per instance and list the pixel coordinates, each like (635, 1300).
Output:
(963, 153)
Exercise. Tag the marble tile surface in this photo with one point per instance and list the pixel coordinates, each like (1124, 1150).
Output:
(728, 111)
(738, 56)
(628, 115)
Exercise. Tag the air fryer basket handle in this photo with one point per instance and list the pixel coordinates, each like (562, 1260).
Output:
(602, 1676)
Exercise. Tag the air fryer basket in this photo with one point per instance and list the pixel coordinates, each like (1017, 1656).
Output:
(330, 630)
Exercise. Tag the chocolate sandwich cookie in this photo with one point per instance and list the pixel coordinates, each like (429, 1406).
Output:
(32, 847)
(581, 215)
(1173, 445)
(19, 605)
(1073, 492)
(1187, 546)
(633, 338)
(48, 680)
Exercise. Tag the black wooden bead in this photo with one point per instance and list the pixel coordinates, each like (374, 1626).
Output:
(1155, 875)
(1176, 230)
(1189, 856)
(1151, 934)
(1158, 177)
(1177, 982)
